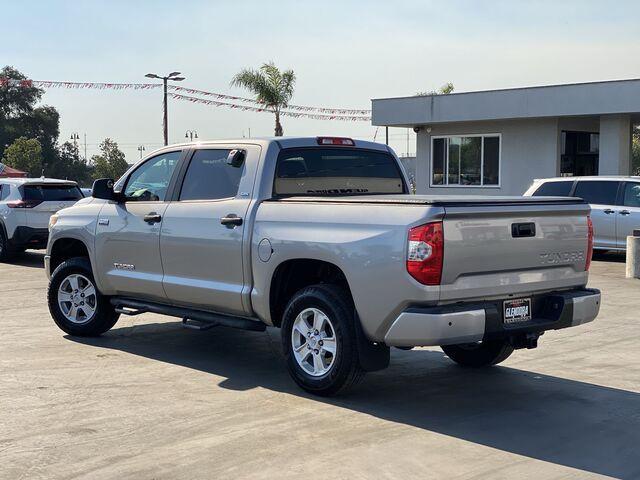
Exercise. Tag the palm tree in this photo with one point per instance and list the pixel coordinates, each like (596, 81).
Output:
(272, 88)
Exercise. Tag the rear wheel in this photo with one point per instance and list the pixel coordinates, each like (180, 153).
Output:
(481, 354)
(319, 340)
(75, 303)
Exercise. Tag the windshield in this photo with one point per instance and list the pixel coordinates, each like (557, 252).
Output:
(51, 193)
(337, 171)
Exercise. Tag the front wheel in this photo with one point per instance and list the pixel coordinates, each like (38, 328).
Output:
(5, 250)
(75, 303)
(319, 340)
(482, 354)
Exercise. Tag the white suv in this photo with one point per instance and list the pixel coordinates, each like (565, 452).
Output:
(25, 207)
(615, 204)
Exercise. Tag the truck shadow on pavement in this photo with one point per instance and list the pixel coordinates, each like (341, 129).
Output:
(30, 258)
(566, 422)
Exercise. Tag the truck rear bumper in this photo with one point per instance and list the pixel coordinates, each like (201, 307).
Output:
(473, 322)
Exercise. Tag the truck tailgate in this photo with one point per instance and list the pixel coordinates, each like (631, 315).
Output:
(503, 247)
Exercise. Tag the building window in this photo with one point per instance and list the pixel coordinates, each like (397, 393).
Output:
(580, 153)
(466, 161)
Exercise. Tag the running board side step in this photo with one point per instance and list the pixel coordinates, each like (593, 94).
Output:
(194, 319)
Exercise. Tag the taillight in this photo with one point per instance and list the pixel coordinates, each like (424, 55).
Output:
(589, 243)
(426, 253)
(23, 203)
(348, 142)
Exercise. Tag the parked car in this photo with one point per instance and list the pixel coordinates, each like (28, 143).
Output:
(86, 192)
(25, 207)
(615, 204)
(320, 237)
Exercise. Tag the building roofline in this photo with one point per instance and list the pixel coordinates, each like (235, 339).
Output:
(613, 97)
(511, 89)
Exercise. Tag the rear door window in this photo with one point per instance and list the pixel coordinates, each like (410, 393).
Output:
(337, 171)
(210, 177)
(554, 189)
(599, 192)
(51, 193)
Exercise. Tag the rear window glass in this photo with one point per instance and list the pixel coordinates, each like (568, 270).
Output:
(53, 193)
(554, 189)
(597, 192)
(336, 171)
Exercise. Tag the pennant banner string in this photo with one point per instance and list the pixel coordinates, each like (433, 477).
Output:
(339, 111)
(315, 116)
(148, 86)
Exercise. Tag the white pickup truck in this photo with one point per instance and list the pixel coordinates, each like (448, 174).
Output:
(320, 237)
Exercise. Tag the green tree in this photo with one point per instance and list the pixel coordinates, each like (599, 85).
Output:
(110, 163)
(445, 89)
(271, 87)
(24, 154)
(69, 164)
(20, 117)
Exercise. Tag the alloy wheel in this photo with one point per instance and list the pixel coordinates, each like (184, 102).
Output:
(77, 298)
(314, 342)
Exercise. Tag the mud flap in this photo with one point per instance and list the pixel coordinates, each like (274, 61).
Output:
(372, 356)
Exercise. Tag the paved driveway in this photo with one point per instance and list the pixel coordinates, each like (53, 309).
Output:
(152, 400)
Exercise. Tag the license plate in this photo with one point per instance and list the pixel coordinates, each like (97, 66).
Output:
(518, 310)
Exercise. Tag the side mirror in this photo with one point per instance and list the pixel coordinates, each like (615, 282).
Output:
(236, 158)
(103, 188)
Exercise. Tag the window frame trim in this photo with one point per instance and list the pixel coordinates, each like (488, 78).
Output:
(446, 161)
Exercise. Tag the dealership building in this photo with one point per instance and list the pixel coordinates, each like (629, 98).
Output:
(496, 142)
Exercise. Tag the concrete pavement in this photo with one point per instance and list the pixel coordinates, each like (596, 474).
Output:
(151, 400)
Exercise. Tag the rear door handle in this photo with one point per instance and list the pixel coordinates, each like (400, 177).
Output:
(152, 218)
(625, 212)
(608, 211)
(231, 220)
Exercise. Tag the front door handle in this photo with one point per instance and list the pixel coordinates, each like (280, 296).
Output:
(231, 220)
(625, 212)
(608, 211)
(152, 218)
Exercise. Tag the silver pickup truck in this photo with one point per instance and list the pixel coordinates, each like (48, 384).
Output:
(322, 238)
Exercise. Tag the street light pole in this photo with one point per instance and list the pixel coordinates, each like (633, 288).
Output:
(165, 120)
(75, 137)
(191, 134)
(141, 149)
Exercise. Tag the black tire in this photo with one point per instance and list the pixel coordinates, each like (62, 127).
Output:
(345, 371)
(105, 315)
(483, 354)
(6, 251)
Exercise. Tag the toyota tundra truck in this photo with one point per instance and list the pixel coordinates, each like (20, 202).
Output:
(321, 238)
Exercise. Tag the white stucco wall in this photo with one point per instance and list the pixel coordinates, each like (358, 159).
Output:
(615, 145)
(529, 149)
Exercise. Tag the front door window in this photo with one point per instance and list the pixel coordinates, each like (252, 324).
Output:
(150, 181)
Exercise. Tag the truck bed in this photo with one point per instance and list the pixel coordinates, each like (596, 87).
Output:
(437, 200)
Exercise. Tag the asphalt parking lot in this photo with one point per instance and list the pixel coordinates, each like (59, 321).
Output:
(152, 400)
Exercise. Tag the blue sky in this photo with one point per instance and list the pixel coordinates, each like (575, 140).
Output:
(344, 53)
